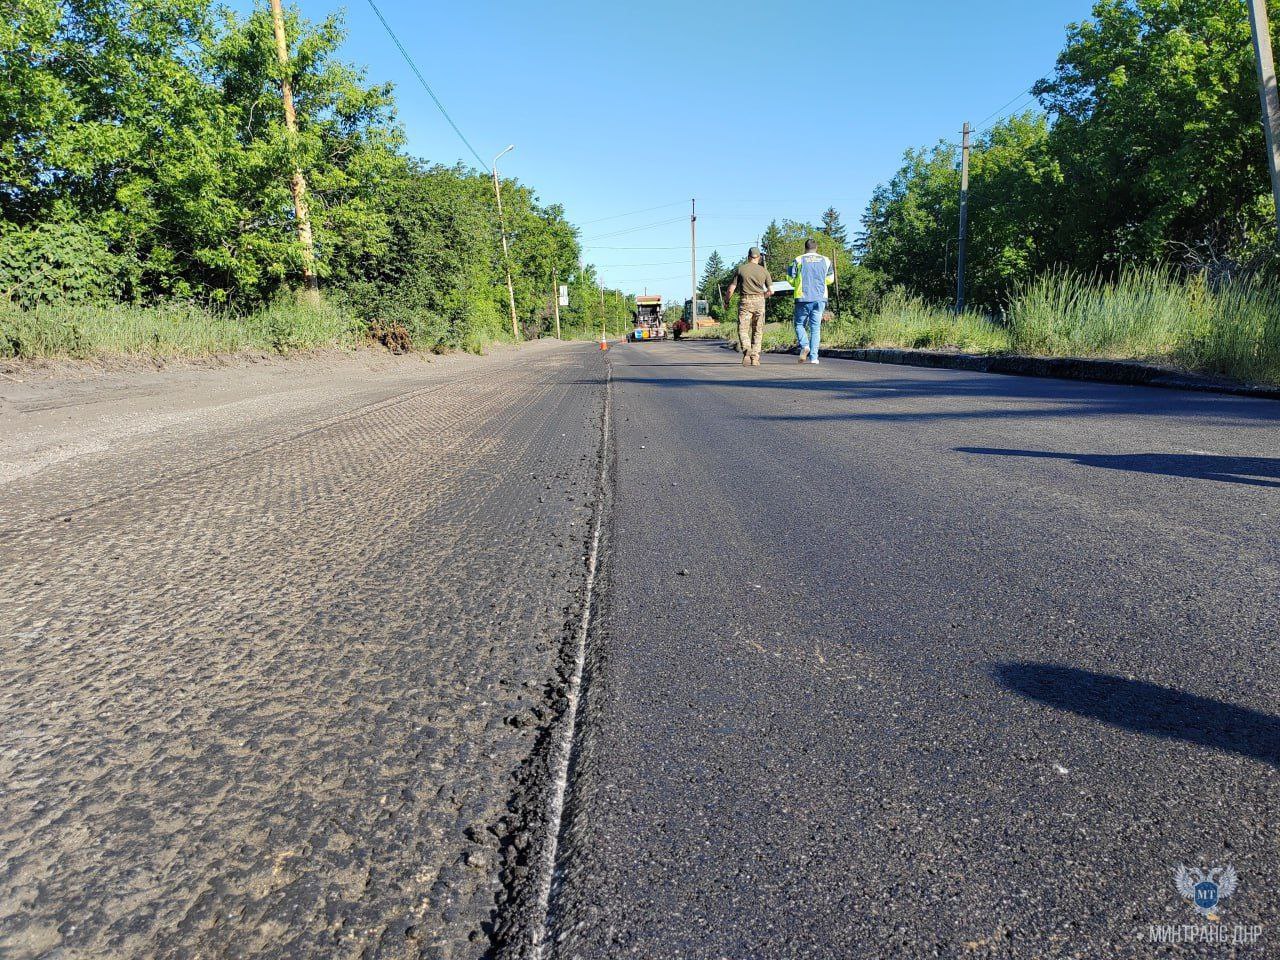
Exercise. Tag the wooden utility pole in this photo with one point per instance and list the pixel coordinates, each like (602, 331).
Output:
(1260, 24)
(604, 329)
(964, 219)
(297, 183)
(835, 270)
(693, 263)
(506, 253)
(555, 301)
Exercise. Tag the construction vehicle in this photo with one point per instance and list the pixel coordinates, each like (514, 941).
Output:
(703, 319)
(648, 322)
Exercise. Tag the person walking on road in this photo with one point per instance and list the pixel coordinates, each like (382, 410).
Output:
(811, 273)
(752, 278)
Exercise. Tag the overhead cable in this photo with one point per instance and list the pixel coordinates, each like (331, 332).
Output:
(633, 213)
(647, 226)
(979, 124)
(426, 86)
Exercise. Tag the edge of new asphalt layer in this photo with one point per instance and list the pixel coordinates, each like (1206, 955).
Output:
(1126, 372)
(540, 804)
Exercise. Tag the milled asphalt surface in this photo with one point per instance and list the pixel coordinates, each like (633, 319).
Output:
(276, 666)
(963, 665)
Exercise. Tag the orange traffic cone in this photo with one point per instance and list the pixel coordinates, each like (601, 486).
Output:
(604, 344)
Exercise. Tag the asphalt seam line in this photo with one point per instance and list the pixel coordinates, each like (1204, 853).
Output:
(563, 748)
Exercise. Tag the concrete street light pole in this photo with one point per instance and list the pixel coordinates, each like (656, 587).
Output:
(506, 256)
(693, 263)
(963, 240)
(1260, 24)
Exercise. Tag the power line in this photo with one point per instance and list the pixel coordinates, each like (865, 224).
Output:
(647, 226)
(997, 110)
(622, 270)
(633, 213)
(656, 263)
(1000, 119)
(682, 246)
(730, 216)
(641, 280)
(426, 86)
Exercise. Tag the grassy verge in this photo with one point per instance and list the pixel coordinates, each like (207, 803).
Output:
(1231, 330)
(171, 330)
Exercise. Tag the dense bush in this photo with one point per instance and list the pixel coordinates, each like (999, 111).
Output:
(59, 262)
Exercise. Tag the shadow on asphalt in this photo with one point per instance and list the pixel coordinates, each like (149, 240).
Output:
(1008, 397)
(1147, 708)
(1254, 471)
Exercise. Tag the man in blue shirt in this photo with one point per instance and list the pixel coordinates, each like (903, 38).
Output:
(811, 273)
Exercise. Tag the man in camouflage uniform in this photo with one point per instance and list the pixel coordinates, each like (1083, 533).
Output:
(756, 285)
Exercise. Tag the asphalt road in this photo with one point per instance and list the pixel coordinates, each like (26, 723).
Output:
(882, 662)
(960, 665)
(276, 661)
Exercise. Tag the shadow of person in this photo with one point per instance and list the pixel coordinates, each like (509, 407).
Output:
(1147, 708)
(1253, 471)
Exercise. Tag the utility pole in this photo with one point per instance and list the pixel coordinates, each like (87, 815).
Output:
(964, 219)
(297, 182)
(555, 301)
(835, 270)
(1260, 24)
(693, 263)
(506, 256)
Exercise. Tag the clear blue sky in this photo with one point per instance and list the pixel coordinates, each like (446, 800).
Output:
(618, 106)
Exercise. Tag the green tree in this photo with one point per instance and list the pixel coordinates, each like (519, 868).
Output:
(1157, 135)
(1151, 152)
(430, 275)
(37, 105)
(911, 226)
(715, 277)
(910, 222)
(833, 227)
(158, 125)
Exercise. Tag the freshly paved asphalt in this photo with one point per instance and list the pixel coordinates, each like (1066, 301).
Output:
(963, 665)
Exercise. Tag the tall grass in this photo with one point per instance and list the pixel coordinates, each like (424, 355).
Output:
(904, 320)
(170, 330)
(1239, 334)
(1142, 314)
(1231, 329)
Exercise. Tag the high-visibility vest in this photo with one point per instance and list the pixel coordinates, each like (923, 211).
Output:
(811, 274)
